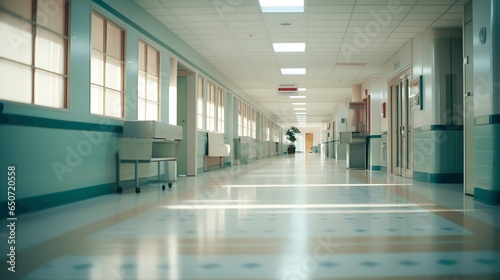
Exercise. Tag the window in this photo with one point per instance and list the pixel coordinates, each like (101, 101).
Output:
(240, 118)
(211, 107)
(107, 68)
(253, 129)
(268, 129)
(247, 117)
(200, 110)
(34, 52)
(276, 137)
(220, 111)
(148, 99)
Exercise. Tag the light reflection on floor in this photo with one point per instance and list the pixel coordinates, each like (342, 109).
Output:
(301, 217)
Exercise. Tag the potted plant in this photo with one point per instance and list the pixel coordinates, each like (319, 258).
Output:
(290, 136)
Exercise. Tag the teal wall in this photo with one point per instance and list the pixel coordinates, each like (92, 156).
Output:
(55, 160)
(374, 144)
(487, 162)
(438, 154)
(332, 145)
(487, 101)
(341, 151)
(384, 153)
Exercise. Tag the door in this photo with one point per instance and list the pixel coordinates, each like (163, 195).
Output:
(309, 141)
(468, 112)
(401, 122)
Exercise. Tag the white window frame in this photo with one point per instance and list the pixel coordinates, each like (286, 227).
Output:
(220, 110)
(151, 73)
(211, 106)
(200, 103)
(106, 87)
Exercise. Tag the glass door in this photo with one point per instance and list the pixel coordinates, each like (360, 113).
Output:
(395, 92)
(401, 126)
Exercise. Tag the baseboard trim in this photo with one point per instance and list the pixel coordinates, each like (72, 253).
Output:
(41, 202)
(491, 197)
(437, 178)
(36, 203)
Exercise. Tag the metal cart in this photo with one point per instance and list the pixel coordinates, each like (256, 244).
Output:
(146, 142)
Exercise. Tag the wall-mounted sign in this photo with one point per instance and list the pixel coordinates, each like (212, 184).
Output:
(288, 89)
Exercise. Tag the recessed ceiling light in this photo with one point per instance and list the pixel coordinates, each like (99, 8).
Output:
(297, 96)
(300, 113)
(298, 104)
(293, 71)
(299, 109)
(281, 6)
(289, 47)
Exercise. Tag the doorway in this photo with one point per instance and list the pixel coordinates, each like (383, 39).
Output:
(401, 125)
(309, 142)
(186, 90)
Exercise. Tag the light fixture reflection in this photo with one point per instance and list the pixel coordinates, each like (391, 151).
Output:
(289, 206)
(313, 185)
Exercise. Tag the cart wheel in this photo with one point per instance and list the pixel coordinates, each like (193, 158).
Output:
(119, 189)
(163, 187)
(169, 185)
(137, 190)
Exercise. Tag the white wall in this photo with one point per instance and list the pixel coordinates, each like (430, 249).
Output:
(342, 112)
(373, 85)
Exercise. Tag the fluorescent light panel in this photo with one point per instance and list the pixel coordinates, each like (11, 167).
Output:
(289, 47)
(299, 104)
(293, 71)
(300, 113)
(297, 97)
(302, 89)
(282, 6)
(299, 109)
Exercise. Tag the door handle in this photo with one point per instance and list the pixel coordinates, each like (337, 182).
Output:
(402, 130)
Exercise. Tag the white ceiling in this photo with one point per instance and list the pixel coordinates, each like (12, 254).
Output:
(236, 37)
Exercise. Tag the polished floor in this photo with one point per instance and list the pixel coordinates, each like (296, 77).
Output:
(288, 218)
